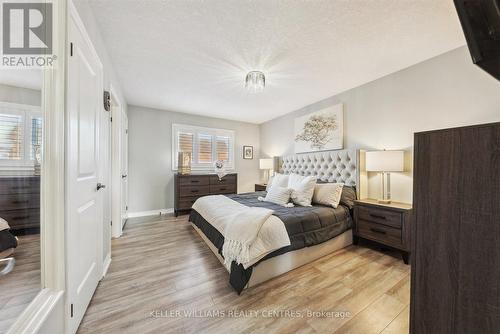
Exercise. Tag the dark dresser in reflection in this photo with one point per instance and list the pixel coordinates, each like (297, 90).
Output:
(20, 203)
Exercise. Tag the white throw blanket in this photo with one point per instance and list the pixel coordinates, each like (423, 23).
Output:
(250, 233)
(3, 224)
(241, 231)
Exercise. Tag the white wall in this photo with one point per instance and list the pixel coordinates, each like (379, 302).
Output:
(20, 95)
(151, 179)
(110, 78)
(442, 92)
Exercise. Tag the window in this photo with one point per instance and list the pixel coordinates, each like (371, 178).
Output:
(20, 136)
(206, 146)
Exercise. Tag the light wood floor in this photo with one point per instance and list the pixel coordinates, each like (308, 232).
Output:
(161, 265)
(22, 284)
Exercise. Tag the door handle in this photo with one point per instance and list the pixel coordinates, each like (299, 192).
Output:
(124, 176)
(100, 186)
(9, 265)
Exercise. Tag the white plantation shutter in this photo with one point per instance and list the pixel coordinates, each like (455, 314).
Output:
(206, 145)
(222, 148)
(11, 137)
(36, 136)
(20, 135)
(185, 142)
(204, 148)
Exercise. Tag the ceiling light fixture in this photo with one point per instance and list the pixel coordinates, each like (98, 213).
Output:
(255, 81)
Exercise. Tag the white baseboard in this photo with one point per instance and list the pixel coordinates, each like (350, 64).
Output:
(158, 212)
(106, 264)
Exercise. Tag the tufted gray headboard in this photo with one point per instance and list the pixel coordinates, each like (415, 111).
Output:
(330, 166)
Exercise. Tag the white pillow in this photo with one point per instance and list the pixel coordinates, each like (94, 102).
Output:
(280, 180)
(278, 195)
(328, 194)
(303, 188)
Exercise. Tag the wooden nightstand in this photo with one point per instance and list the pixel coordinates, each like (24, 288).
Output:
(260, 187)
(386, 224)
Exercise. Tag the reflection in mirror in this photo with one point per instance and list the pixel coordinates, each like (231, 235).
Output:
(21, 153)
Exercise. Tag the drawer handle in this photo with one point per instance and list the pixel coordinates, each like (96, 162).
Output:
(20, 202)
(194, 191)
(223, 188)
(376, 230)
(377, 216)
(195, 181)
(20, 217)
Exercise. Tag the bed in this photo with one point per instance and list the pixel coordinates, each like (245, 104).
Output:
(313, 231)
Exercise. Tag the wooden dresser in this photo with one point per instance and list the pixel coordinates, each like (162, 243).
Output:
(188, 188)
(386, 224)
(20, 203)
(455, 271)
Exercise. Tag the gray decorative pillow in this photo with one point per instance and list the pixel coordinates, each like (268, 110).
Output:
(348, 196)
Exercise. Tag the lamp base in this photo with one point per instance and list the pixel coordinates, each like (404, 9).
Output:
(384, 201)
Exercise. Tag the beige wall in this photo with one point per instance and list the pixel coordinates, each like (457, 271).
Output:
(442, 92)
(151, 179)
(20, 95)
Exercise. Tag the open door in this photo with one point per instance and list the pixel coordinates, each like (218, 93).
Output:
(124, 164)
(84, 186)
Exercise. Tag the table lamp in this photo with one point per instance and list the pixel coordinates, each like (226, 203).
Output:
(267, 165)
(385, 162)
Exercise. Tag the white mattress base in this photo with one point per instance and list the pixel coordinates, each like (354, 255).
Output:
(283, 263)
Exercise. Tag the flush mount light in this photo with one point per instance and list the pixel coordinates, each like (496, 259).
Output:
(255, 81)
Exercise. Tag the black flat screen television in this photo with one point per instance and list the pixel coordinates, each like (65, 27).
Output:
(480, 21)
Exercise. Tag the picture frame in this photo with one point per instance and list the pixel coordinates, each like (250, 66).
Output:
(322, 130)
(247, 152)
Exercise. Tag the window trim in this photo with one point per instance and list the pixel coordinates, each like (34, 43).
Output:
(27, 111)
(214, 132)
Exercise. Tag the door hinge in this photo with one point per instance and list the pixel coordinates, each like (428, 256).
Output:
(126, 131)
(111, 223)
(111, 118)
(71, 49)
(71, 310)
(126, 207)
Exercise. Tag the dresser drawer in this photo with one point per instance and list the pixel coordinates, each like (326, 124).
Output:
(228, 179)
(194, 180)
(19, 201)
(380, 216)
(187, 191)
(26, 185)
(185, 203)
(18, 219)
(222, 189)
(378, 232)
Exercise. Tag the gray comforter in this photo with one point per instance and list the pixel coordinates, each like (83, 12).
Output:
(306, 226)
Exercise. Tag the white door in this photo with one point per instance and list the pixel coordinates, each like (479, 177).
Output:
(105, 179)
(124, 164)
(84, 207)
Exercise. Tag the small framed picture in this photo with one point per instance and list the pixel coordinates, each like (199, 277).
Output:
(248, 152)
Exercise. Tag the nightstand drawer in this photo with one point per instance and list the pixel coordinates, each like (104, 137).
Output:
(378, 232)
(380, 216)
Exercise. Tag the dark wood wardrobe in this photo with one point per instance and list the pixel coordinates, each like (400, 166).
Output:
(455, 269)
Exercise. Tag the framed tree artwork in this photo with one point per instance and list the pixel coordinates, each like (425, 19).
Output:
(320, 131)
(248, 152)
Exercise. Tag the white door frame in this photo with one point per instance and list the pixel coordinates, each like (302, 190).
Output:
(45, 313)
(116, 176)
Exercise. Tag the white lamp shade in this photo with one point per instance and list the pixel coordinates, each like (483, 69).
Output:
(266, 163)
(385, 161)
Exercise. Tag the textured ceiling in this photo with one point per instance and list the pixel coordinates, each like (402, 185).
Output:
(192, 55)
